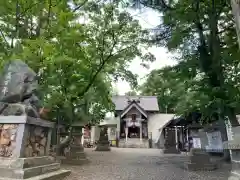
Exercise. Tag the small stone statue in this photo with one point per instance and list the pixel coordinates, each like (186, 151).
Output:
(18, 86)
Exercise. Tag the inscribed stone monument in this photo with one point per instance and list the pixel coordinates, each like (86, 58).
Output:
(24, 137)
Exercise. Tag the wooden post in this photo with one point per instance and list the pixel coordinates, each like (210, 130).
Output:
(236, 13)
(141, 132)
(176, 136)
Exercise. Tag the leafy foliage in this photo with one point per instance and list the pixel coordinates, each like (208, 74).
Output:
(76, 48)
(203, 33)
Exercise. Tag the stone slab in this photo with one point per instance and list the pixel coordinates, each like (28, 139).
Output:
(200, 159)
(24, 168)
(25, 162)
(26, 120)
(171, 150)
(235, 175)
(101, 147)
(75, 161)
(28, 172)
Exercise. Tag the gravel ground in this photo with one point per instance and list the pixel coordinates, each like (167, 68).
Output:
(139, 164)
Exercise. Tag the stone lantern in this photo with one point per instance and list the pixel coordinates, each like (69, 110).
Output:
(76, 153)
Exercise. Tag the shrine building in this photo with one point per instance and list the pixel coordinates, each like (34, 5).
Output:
(137, 120)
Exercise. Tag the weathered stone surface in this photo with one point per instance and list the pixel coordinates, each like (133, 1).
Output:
(199, 160)
(36, 144)
(171, 150)
(103, 143)
(75, 156)
(8, 133)
(24, 168)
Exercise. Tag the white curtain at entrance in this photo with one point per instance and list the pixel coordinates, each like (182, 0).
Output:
(129, 123)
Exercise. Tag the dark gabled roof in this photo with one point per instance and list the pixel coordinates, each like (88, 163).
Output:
(177, 122)
(148, 103)
(137, 106)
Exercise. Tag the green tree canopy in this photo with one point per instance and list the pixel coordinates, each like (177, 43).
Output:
(76, 48)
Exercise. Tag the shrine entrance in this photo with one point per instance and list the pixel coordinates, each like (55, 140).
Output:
(134, 132)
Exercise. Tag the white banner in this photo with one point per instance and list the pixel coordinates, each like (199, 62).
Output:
(215, 143)
(197, 143)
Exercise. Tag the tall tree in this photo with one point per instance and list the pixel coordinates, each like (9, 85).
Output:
(72, 57)
(203, 31)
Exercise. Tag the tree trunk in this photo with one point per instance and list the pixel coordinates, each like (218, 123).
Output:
(236, 12)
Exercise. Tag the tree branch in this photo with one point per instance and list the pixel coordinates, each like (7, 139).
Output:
(79, 6)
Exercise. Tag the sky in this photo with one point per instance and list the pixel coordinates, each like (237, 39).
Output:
(148, 19)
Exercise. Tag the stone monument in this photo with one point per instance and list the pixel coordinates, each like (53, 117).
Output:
(103, 143)
(199, 159)
(76, 155)
(24, 136)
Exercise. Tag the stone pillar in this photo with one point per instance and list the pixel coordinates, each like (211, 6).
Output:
(103, 143)
(234, 145)
(140, 131)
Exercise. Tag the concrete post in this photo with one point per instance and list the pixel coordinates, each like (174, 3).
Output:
(140, 131)
(82, 139)
(126, 133)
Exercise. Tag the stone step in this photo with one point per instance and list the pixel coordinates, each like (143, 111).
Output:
(28, 172)
(26, 162)
(33, 171)
(56, 175)
(75, 161)
(133, 143)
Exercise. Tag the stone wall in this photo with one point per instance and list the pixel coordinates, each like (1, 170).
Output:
(8, 133)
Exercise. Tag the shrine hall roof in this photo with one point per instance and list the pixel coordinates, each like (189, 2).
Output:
(148, 103)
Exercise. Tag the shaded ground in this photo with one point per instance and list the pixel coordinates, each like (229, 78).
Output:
(138, 164)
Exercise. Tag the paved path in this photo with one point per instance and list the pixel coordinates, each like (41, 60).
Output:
(138, 164)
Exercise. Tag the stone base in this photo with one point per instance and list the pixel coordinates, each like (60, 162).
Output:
(103, 147)
(200, 167)
(199, 160)
(235, 175)
(171, 150)
(34, 168)
(75, 157)
(75, 161)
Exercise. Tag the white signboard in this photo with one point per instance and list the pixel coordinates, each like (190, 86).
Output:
(215, 143)
(197, 143)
